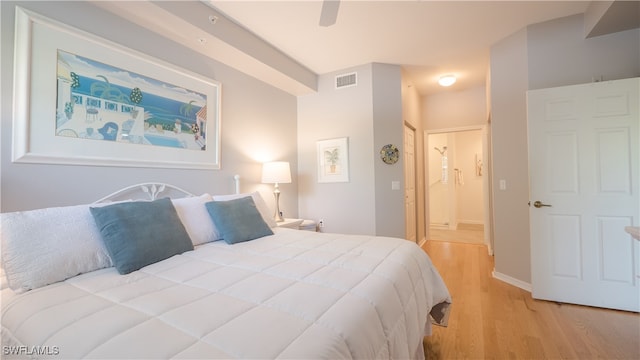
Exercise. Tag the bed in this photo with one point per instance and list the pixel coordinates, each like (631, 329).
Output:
(232, 292)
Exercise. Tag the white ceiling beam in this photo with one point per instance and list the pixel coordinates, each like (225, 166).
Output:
(204, 29)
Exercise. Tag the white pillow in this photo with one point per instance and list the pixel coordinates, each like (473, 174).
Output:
(44, 246)
(258, 200)
(196, 220)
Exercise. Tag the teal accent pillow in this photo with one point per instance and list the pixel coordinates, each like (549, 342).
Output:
(238, 220)
(140, 233)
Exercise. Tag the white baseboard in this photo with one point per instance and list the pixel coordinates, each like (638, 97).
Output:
(472, 222)
(512, 281)
(422, 242)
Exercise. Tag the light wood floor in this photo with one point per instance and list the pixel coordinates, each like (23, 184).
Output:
(493, 320)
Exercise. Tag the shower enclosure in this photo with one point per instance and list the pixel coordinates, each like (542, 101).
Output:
(440, 194)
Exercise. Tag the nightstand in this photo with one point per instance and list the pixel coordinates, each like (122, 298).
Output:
(290, 223)
(308, 225)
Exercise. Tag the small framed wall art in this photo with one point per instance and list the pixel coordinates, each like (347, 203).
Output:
(333, 160)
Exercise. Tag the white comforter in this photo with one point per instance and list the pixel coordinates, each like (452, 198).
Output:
(296, 294)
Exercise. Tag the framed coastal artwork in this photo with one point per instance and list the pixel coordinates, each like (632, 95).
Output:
(333, 160)
(83, 100)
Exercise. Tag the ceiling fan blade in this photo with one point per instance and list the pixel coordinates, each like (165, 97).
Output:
(329, 12)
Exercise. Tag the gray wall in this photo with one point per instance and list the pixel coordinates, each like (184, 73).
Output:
(388, 129)
(258, 124)
(558, 54)
(548, 54)
(370, 115)
(510, 161)
(346, 207)
(455, 109)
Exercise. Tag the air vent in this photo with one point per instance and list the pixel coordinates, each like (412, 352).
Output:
(346, 80)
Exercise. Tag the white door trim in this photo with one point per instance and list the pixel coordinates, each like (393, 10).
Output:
(411, 218)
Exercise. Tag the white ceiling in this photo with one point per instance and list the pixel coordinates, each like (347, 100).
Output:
(281, 42)
(428, 38)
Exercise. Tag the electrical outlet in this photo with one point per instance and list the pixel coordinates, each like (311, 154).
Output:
(321, 223)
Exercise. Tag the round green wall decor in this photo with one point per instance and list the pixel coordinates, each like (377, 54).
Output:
(389, 154)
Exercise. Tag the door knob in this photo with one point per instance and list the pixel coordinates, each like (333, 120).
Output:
(539, 204)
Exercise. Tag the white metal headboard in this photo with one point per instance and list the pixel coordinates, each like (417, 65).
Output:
(145, 191)
(152, 191)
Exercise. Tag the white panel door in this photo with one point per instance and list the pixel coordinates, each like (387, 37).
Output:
(583, 163)
(410, 184)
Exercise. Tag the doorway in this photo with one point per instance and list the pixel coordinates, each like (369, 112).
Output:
(457, 203)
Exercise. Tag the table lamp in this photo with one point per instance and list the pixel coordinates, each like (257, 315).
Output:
(276, 172)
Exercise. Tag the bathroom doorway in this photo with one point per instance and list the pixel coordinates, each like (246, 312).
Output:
(457, 185)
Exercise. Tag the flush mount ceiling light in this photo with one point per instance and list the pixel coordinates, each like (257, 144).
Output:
(447, 80)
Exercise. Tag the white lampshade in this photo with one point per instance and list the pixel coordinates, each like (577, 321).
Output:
(276, 172)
